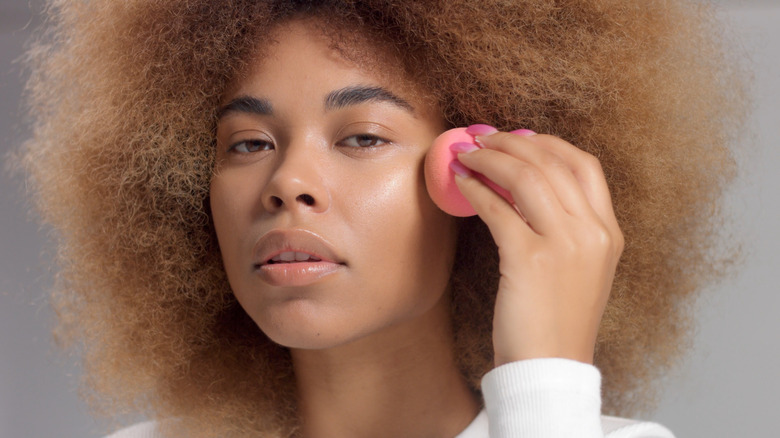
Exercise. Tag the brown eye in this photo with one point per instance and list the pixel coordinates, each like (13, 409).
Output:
(363, 141)
(248, 146)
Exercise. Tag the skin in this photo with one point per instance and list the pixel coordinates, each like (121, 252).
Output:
(371, 342)
(566, 225)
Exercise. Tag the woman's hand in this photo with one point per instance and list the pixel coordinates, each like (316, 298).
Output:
(559, 244)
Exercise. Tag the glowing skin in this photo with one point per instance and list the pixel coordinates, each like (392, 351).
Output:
(334, 248)
(297, 173)
(316, 157)
(312, 171)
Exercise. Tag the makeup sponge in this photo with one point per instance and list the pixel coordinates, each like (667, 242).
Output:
(440, 179)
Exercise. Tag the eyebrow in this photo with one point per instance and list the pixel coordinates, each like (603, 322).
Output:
(246, 104)
(336, 99)
(359, 94)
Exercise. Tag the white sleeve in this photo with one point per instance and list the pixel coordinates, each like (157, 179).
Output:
(147, 429)
(543, 398)
(554, 398)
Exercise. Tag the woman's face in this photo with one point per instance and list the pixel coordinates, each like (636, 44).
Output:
(325, 226)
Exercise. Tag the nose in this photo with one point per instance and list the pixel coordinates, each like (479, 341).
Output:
(297, 183)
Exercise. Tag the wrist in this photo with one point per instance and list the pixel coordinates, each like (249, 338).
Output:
(580, 352)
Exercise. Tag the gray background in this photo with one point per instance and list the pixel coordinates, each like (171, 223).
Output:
(729, 385)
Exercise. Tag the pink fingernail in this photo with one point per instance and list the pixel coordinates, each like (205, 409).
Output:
(523, 132)
(460, 169)
(480, 129)
(463, 147)
(478, 140)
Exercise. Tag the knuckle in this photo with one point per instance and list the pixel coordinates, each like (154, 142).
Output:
(591, 162)
(553, 161)
(603, 238)
(607, 242)
(528, 173)
(598, 240)
(495, 207)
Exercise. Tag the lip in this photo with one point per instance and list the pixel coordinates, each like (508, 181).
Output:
(278, 241)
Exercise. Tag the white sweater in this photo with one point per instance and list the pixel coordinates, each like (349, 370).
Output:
(539, 398)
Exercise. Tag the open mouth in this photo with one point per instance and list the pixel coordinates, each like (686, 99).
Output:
(295, 258)
(292, 257)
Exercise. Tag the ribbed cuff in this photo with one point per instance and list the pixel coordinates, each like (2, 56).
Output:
(549, 398)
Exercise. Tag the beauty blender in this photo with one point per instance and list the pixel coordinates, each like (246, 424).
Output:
(440, 179)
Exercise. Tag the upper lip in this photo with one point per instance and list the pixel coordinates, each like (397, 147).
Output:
(278, 241)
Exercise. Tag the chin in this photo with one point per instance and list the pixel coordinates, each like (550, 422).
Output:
(302, 338)
(306, 329)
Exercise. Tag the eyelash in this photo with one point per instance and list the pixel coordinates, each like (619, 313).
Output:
(267, 145)
(373, 138)
(246, 144)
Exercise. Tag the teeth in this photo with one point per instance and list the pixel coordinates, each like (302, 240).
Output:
(293, 256)
(300, 256)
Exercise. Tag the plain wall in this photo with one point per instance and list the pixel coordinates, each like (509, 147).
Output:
(729, 385)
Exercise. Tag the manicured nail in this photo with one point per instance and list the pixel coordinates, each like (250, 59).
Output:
(459, 169)
(480, 129)
(523, 132)
(463, 147)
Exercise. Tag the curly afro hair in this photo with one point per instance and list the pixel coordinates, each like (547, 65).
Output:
(124, 94)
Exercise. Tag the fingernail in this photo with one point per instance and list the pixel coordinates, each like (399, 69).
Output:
(460, 169)
(463, 147)
(480, 129)
(523, 132)
(478, 140)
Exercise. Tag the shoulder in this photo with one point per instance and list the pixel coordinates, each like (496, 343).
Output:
(615, 427)
(147, 429)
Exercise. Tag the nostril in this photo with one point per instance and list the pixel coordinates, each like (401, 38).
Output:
(277, 201)
(306, 199)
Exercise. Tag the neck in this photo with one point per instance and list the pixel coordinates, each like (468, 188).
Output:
(401, 381)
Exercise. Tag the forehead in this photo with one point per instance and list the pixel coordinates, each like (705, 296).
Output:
(309, 52)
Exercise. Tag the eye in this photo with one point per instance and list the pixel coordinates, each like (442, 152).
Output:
(248, 146)
(363, 141)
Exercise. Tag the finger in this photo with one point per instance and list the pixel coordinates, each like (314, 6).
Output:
(556, 169)
(501, 218)
(586, 169)
(529, 188)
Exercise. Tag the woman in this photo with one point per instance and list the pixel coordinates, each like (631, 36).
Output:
(248, 247)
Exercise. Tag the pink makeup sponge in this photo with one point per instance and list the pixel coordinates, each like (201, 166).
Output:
(440, 179)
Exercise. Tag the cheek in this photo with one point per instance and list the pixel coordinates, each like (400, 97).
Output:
(223, 207)
(231, 210)
(380, 201)
(407, 237)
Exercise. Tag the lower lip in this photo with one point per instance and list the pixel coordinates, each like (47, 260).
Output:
(297, 274)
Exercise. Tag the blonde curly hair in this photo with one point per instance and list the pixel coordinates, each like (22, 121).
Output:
(124, 96)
